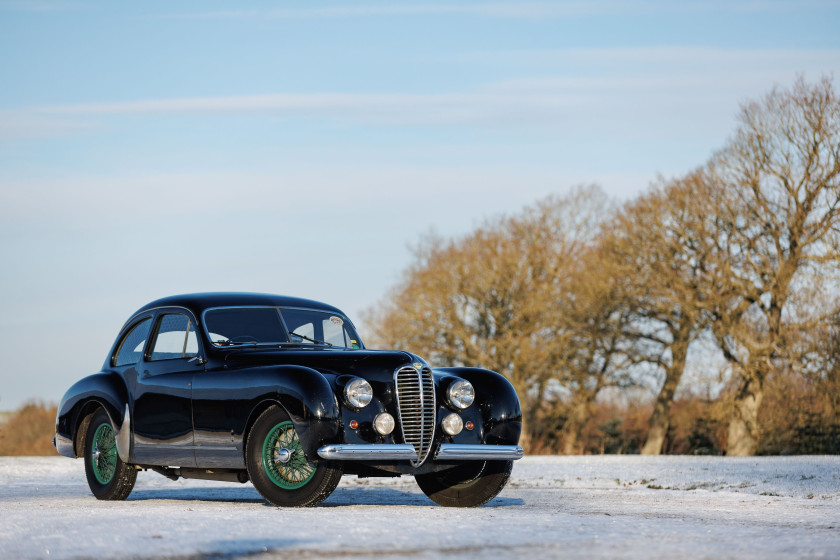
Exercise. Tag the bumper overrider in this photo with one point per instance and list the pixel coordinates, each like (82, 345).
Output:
(399, 452)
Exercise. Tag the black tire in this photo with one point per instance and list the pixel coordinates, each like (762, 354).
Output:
(108, 477)
(296, 483)
(469, 485)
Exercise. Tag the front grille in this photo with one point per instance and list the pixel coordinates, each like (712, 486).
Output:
(416, 405)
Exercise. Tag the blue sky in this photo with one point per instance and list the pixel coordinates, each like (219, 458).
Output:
(303, 147)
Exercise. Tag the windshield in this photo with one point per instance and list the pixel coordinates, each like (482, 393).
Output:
(244, 325)
(320, 327)
(235, 326)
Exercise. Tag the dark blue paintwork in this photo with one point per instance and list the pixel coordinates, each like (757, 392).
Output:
(197, 412)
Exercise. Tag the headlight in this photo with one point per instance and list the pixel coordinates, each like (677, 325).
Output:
(461, 394)
(358, 393)
(383, 423)
(452, 424)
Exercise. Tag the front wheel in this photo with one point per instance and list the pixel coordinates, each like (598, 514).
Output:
(108, 477)
(279, 469)
(469, 485)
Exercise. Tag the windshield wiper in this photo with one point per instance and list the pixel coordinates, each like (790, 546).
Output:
(313, 340)
(251, 343)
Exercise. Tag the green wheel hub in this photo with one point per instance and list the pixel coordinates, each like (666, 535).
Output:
(283, 458)
(104, 454)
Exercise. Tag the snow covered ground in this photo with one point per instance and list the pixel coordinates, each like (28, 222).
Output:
(563, 507)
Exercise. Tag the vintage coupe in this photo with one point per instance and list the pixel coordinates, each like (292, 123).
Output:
(282, 392)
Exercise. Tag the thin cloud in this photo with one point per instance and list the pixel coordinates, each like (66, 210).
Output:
(649, 78)
(524, 10)
(385, 109)
(684, 56)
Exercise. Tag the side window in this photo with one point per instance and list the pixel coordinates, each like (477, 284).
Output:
(175, 338)
(133, 344)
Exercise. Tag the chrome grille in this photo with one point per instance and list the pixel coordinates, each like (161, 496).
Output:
(416, 405)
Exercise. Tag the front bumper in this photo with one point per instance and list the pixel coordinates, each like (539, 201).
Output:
(399, 452)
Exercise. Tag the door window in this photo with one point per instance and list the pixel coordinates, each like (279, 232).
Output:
(175, 338)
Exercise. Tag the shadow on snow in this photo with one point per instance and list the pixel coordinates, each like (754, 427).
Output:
(340, 498)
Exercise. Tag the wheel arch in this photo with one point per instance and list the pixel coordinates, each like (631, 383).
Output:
(307, 399)
(101, 390)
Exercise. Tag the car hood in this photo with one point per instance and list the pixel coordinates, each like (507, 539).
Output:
(373, 365)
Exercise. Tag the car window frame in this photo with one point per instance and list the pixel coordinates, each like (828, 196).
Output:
(147, 352)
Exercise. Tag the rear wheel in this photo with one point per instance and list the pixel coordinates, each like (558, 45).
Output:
(278, 467)
(469, 485)
(108, 477)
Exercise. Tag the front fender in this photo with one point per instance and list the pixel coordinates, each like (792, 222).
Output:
(306, 396)
(496, 400)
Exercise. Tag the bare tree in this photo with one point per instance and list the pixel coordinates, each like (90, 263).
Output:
(777, 197)
(497, 298)
(659, 245)
(594, 353)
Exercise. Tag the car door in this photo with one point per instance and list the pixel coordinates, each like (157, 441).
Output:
(163, 429)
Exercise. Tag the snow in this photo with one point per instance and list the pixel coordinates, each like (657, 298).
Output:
(570, 507)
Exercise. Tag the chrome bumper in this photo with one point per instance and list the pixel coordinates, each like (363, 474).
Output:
(483, 452)
(64, 446)
(398, 452)
(367, 452)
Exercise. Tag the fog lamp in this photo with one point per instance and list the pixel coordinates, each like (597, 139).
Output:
(452, 424)
(383, 423)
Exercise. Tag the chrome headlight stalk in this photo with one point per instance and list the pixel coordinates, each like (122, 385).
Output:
(460, 395)
(358, 393)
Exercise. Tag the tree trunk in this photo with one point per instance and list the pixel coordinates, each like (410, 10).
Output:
(743, 434)
(570, 433)
(660, 421)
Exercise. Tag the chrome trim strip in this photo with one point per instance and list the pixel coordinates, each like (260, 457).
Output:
(123, 435)
(64, 446)
(365, 452)
(484, 452)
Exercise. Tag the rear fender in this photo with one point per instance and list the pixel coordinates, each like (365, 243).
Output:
(106, 390)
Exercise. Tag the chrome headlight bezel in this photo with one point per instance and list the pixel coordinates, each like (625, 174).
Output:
(358, 393)
(460, 394)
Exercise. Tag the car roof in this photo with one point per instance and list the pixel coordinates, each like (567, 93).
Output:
(197, 303)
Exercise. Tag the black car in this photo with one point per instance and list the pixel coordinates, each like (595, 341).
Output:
(282, 392)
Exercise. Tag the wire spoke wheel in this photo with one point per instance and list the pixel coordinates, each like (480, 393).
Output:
(104, 453)
(283, 458)
(108, 476)
(279, 468)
